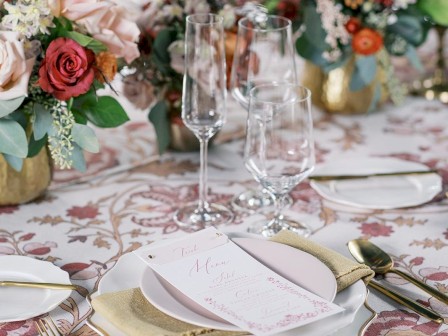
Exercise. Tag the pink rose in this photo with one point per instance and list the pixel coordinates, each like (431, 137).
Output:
(67, 69)
(15, 70)
(106, 22)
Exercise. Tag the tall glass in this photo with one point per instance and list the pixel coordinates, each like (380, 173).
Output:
(264, 53)
(279, 150)
(204, 108)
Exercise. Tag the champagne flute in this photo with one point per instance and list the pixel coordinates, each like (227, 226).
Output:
(204, 108)
(264, 53)
(279, 149)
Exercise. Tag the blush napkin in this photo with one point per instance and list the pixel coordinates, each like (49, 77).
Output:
(130, 312)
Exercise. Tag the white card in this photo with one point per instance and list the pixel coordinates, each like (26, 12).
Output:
(220, 276)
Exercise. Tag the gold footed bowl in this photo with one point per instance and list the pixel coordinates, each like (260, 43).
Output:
(26, 185)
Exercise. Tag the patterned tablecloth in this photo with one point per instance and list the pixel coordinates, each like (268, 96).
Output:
(127, 198)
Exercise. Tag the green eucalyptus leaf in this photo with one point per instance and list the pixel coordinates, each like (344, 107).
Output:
(364, 72)
(308, 51)
(314, 32)
(42, 122)
(8, 106)
(86, 41)
(158, 116)
(409, 28)
(375, 99)
(85, 137)
(35, 146)
(15, 162)
(79, 162)
(13, 138)
(413, 58)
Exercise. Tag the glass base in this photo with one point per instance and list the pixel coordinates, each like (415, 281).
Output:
(275, 226)
(256, 199)
(197, 219)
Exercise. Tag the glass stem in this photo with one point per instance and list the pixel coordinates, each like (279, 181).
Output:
(279, 206)
(203, 175)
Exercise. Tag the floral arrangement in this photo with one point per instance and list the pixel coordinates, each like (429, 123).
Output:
(54, 57)
(370, 31)
(155, 79)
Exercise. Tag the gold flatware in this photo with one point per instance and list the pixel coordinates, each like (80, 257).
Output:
(381, 263)
(407, 302)
(47, 327)
(46, 285)
(361, 176)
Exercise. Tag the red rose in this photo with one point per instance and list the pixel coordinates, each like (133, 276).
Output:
(367, 42)
(353, 25)
(67, 69)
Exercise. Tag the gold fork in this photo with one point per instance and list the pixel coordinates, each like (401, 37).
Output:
(47, 327)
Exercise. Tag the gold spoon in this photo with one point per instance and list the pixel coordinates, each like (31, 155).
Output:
(381, 263)
(37, 285)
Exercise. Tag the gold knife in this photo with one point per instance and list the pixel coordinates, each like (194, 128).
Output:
(407, 302)
(352, 177)
(47, 285)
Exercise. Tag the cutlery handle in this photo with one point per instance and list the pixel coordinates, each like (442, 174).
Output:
(353, 177)
(37, 285)
(407, 302)
(428, 289)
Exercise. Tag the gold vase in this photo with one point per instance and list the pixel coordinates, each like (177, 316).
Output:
(183, 139)
(331, 90)
(26, 185)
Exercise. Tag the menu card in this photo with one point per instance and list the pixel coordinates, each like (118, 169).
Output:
(216, 273)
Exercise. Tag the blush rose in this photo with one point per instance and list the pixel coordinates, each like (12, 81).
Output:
(107, 23)
(15, 69)
(67, 69)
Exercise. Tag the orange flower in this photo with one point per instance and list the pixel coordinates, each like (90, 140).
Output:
(367, 42)
(106, 64)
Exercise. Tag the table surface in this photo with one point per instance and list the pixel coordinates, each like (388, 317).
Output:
(127, 198)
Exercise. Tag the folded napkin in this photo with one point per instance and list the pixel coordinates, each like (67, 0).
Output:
(130, 312)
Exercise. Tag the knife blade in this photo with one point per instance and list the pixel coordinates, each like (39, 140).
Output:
(46, 285)
(361, 176)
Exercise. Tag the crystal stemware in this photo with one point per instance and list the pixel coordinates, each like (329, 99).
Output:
(264, 53)
(204, 108)
(279, 149)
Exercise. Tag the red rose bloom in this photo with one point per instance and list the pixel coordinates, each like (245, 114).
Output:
(67, 69)
(367, 42)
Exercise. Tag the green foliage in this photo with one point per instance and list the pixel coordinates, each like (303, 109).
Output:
(13, 138)
(86, 41)
(103, 111)
(79, 162)
(43, 121)
(160, 55)
(9, 106)
(436, 9)
(158, 116)
(409, 28)
(364, 72)
(85, 137)
(15, 162)
(34, 146)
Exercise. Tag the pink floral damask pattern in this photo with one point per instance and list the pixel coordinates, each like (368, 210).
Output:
(85, 223)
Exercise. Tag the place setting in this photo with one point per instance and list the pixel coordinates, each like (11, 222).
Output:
(275, 232)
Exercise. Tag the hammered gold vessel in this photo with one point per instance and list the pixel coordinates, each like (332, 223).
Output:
(26, 185)
(331, 91)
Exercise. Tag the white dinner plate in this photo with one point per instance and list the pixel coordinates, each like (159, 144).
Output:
(386, 192)
(129, 270)
(20, 303)
(297, 266)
